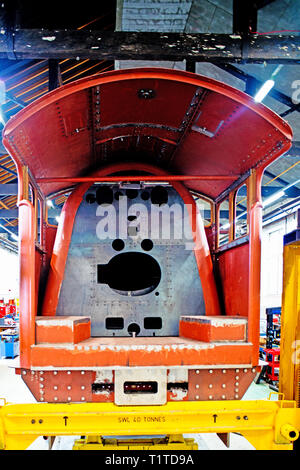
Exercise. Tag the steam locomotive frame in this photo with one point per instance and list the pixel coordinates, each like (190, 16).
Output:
(189, 134)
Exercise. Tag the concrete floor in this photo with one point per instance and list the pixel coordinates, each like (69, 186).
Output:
(13, 389)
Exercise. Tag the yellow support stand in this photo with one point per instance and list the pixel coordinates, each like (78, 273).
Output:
(267, 424)
(171, 442)
(289, 373)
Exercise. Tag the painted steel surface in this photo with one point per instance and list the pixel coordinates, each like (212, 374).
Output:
(155, 122)
(178, 291)
(268, 425)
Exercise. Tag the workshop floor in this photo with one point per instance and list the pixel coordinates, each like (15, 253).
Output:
(14, 390)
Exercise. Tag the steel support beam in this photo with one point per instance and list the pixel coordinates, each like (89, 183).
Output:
(3, 167)
(244, 16)
(266, 424)
(54, 74)
(112, 45)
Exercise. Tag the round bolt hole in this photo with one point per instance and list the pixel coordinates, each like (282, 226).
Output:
(156, 293)
(292, 434)
(118, 244)
(133, 328)
(147, 244)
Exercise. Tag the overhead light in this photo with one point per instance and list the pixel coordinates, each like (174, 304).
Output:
(267, 86)
(263, 91)
(2, 118)
(49, 203)
(273, 198)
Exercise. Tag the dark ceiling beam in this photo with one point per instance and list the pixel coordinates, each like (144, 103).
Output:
(295, 107)
(278, 179)
(54, 80)
(8, 170)
(263, 3)
(15, 100)
(111, 45)
(190, 66)
(244, 16)
(267, 191)
(292, 192)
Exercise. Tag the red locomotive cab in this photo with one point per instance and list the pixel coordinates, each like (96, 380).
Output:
(132, 298)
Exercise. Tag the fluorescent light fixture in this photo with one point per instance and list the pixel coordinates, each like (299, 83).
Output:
(2, 119)
(49, 203)
(273, 198)
(263, 91)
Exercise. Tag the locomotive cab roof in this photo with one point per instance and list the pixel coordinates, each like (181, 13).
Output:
(184, 123)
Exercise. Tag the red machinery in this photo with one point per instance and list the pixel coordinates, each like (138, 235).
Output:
(91, 328)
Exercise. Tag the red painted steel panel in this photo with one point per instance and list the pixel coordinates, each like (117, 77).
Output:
(234, 273)
(248, 133)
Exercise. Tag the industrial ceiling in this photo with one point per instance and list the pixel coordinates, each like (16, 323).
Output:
(267, 33)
